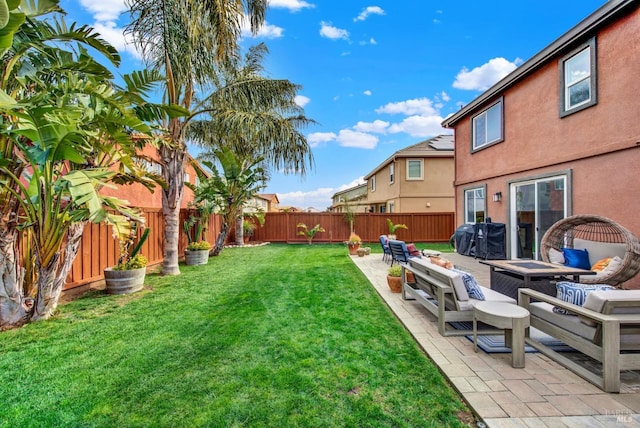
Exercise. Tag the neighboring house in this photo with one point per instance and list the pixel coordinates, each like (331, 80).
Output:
(418, 178)
(265, 202)
(558, 136)
(355, 197)
(139, 196)
(289, 209)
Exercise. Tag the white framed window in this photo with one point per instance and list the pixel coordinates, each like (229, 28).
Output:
(391, 207)
(373, 183)
(187, 177)
(414, 169)
(391, 172)
(474, 205)
(487, 126)
(578, 79)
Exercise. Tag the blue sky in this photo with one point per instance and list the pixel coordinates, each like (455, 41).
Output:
(377, 76)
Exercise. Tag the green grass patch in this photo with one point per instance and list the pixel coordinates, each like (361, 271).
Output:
(267, 336)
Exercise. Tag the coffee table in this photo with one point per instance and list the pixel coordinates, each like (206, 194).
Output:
(507, 276)
(512, 318)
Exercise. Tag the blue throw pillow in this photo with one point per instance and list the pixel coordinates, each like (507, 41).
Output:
(575, 293)
(470, 283)
(576, 258)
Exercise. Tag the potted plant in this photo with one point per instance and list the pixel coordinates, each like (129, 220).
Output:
(128, 275)
(393, 228)
(247, 230)
(197, 253)
(394, 278)
(309, 233)
(353, 243)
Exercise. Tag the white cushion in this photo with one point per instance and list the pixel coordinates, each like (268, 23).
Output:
(596, 299)
(600, 250)
(556, 256)
(456, 281)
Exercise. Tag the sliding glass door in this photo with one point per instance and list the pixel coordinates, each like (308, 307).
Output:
(536, 205)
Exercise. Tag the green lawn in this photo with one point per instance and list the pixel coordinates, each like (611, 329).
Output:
(269, 336)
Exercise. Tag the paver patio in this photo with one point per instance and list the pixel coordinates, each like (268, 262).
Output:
(543, 394)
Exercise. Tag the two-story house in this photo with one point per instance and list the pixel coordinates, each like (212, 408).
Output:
(353, 198)
(417, 178)
(558, 136)
(263, 202)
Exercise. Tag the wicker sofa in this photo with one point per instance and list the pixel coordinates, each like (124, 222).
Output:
(442, 292)
(606, 328)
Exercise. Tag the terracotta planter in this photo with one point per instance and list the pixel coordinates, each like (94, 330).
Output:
(353, 249)
(395, 283)
(362, 252)
(124, 281)
(196, 257)
(409, 276)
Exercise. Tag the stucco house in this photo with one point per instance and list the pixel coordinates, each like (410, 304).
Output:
(417, 178)
(265, 202)
(558, 136)
(355, 197)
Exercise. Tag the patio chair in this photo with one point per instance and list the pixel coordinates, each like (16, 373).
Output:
(386, 251)
(601, 237)
(399, 252)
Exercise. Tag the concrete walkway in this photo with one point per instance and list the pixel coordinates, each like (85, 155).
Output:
(543, 394)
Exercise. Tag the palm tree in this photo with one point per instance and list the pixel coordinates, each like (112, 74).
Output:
(254, 115)
(229, 187)
(184, 40)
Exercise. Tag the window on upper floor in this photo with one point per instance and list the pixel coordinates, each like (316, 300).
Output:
(391, 172)
(578, 79)
(487, 127)
(187, 177)
(414, 169)
(474, 205)
(373, 183)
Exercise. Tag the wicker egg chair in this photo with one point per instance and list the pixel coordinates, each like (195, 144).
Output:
(595, 228)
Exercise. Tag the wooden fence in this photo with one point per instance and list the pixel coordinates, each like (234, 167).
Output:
(422, 227)
(99, 249)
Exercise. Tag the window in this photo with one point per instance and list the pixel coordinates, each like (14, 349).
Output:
(474, 205)
(382, 208)
(391, 207)
(373, 183)
(187, 177)
(391, 172)
(578, 79)
(487, 126)
(414, 169)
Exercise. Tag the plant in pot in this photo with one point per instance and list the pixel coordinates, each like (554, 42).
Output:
(197, 250)
(247, 230)
(309, 233)
(394, 278)
(353, 243)
(393, 227)
(128, 275)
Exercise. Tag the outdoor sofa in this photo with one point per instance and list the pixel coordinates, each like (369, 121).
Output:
(606, 327)
(443, 293)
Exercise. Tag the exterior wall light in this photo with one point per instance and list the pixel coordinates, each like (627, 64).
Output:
(497, 197)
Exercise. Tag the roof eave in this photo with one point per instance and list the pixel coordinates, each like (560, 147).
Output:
(598, 18)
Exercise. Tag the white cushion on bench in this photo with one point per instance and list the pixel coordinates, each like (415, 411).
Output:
(456, 280)
(600, 250)
(571, 323)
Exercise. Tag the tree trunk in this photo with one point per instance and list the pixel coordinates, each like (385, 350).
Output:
(53, 290)
(15, 308)
(45, 297)
(222, 236)
(173, 173)
(239, 231)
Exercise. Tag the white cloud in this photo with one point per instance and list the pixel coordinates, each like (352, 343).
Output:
(373, 41)
(367, 92)
(292, 5)
(366, 12)
(316, 138)
(333, 33)
(360, 140)
(318, 198)
(353, 183)
(419, 126)
(115, 36)
(420, 106)
(445, 97)
(377, 126)
(483, 77)
(104, 10)
(301, 100)
(266, 31)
